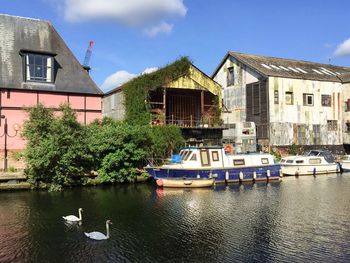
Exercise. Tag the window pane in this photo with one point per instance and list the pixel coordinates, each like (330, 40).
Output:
(205, 158)
(38, 60)
(31, 59)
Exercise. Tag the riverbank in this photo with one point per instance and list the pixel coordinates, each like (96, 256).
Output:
(18, 181)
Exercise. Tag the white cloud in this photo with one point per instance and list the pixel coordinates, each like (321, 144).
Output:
(161, 28)
(343, 49)
(122, 76)
(142, 13)
(149, 70)
(117, 79)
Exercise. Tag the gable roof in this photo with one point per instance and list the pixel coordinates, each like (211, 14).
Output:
(288, 68)
(172, 77)
(20, 34)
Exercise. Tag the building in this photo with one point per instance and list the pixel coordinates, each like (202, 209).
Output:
(181, 95)
(290, 101)
(36, 66)
(345, 78)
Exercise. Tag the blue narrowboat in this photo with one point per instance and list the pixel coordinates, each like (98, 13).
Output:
(214, 162)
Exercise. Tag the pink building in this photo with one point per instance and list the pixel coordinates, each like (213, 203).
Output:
(36, 66)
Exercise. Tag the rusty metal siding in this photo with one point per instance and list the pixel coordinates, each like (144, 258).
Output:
(257, 107)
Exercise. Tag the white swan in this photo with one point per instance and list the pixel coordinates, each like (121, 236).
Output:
(99, 235)
(72, 218)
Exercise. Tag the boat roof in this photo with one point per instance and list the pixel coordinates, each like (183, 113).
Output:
(201, 147)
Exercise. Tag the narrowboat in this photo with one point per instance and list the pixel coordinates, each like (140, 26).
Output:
(310, 163)
(214, 162)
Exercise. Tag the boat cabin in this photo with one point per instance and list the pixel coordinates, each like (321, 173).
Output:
(215, 157)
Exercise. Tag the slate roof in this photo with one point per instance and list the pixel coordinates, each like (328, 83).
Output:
(288, 68)
(18, 34)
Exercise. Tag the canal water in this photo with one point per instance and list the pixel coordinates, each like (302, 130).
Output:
(303, 219)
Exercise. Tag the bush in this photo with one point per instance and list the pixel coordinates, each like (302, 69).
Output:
(60, 150)
(56, 147)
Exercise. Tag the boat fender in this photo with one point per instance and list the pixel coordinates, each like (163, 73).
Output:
(241, 175)
(228, 148)
(281, 174)
(198, 176)
(187, 182)
(160, 182)
(297, 172)
(254, 175)
(314, 171)
(268, 173)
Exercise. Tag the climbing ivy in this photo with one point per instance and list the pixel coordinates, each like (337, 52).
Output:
(137, 90)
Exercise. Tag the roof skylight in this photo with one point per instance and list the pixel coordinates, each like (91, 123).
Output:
(293, 69)
(301, 70)
(266, 66)
(318, 72)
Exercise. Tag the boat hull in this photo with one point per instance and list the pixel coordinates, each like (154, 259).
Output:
(223, 175)
(185, 183)
(309, 169)
(345, 166)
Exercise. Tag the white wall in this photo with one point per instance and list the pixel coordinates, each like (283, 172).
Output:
(113, 106)
(235, 96)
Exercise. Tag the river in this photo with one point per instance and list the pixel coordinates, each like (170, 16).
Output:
(303, 219)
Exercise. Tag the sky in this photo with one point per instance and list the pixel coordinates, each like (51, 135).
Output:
(133, 37)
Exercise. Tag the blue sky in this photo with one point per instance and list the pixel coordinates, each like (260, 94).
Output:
(133, 36)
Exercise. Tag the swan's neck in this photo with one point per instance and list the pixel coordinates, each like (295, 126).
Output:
(107, 229)
(80, 216)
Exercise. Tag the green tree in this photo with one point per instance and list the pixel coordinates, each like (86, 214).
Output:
(56, 150)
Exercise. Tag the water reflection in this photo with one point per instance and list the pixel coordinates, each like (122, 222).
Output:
(296, 220)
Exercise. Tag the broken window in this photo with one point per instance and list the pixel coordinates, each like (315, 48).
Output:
(308, 99)
(326, 100)
(230, 76)
(347, 127)
(38, 68)
(332, 125)
(289, 98)
(347, 105)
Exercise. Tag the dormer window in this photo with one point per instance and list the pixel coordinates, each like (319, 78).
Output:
(38, 67)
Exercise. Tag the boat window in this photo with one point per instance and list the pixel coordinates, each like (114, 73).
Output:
(205, 157)
(315, 161)
(194, 157)
(264, 160)
(187, 155)
(282, 160)
(215, 156)
(238, 162)
(299, 161)
(182, 153)
(289, 161)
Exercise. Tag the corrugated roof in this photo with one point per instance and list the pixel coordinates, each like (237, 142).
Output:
(345, 78)
(289, 68)
(18, 34)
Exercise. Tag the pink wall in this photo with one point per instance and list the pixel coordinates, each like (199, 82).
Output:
(12, 104)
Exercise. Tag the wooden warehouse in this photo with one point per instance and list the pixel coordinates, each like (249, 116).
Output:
(186, 98)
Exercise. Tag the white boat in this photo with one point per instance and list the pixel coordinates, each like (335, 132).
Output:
(345, 163)
(213, 162)
(311, 163)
